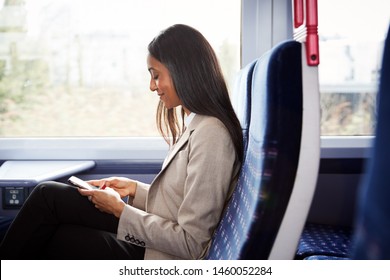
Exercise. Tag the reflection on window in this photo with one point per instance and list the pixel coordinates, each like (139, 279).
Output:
(78, 67)
(351, 45)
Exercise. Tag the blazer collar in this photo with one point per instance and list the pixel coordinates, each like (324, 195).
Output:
(183, 140)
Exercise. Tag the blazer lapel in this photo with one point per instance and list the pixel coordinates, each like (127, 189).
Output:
(182, 141)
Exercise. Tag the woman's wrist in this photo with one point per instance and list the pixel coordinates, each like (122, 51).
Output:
(119, 209)
(132, 188)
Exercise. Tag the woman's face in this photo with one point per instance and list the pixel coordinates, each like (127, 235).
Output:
(162, 83)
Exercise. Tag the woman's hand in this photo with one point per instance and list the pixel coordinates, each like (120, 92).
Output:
(123, 186)
(107, 200)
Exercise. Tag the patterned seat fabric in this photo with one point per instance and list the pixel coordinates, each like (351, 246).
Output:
(325, 257)
(252, 218)
(320, 241)
(372, 235)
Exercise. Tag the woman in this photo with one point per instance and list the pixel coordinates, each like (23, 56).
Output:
(172, 218)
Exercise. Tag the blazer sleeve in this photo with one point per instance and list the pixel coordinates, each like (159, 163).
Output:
(211, 165)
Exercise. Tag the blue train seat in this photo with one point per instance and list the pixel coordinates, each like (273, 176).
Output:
(241, 98)
(268, 209)
(372, 234)
(322, 241)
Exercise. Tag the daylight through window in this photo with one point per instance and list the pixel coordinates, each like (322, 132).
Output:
(78, 67)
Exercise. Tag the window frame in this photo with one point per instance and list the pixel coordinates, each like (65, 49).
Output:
(255, 41)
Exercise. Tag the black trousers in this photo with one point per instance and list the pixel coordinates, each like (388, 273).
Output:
(56, 222)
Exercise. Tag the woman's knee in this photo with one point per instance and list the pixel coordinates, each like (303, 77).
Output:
(49, 189)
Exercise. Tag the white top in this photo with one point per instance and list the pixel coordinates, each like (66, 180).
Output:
(188, 119)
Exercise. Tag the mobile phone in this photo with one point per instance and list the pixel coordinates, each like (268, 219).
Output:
(81, 184)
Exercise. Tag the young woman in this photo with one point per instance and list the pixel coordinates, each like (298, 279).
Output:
(175, 216)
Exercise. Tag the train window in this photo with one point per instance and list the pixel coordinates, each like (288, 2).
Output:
(351, 42)
(78, 68)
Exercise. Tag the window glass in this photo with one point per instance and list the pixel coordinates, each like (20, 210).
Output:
(78, 67)
(352, 34)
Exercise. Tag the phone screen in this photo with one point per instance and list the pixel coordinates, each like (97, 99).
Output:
(80, 183)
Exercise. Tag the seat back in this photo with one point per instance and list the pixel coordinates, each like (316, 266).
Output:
(270, 183)
(372, 235)
(241, 98)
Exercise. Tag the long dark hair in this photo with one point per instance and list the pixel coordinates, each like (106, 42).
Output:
(198, 80)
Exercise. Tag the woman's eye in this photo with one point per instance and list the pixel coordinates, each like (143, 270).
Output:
(155, 77)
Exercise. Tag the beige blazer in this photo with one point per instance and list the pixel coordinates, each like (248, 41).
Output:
(174, 217)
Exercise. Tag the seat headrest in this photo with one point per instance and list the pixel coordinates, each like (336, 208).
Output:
(241, 97)
(277, 72)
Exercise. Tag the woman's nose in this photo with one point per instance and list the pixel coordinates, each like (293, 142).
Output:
(153, 85)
